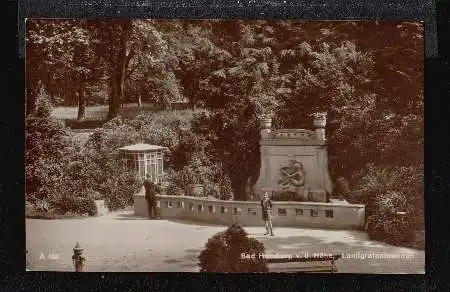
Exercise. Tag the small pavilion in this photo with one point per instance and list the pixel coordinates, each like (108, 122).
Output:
(144, 159)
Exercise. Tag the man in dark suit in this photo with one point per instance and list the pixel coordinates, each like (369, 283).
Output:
(151, 190)
(266, 205)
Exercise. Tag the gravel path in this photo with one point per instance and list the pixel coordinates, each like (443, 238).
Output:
(120, 242)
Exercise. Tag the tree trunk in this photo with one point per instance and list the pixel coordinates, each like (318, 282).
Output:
(30, 108)
(81, 105)
(238, 184)
(139, 101)
(118, 80)
(114, 102)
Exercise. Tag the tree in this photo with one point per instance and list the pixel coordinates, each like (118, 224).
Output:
(136, 57)
(237, 94)
(72, 59)
(113, 46)
(223, 253)
(366, 75)
(45, 142)
(60, 59)
(50, 52)
(198, 56)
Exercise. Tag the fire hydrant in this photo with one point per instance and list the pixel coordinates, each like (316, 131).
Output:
(78, 259)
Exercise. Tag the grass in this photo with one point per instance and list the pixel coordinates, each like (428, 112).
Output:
(96, 115)
(99, 112)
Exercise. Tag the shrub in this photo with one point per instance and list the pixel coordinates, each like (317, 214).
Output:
(45, 106)
(119, 186)
(223, 251)
(215, 183)
(341, 188)
(221, 190)
(164, 128)
(385, 224)
(377, 180)
(45, 144)
(58, 171)
(76, 205)
(85, 206)
(387, 191)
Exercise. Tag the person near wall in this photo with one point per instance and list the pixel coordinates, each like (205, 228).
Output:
(266, 205)
(151, 190)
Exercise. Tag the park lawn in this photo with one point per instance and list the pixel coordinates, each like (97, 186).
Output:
(99, 112)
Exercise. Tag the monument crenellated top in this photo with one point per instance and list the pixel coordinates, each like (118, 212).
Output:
(292, 137)
(293, 134)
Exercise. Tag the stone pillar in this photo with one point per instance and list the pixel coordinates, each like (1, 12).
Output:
(266, 125)
(265, 130)
(320, 121)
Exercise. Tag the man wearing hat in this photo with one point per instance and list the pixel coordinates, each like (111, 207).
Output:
(266, 205)
(151, 190)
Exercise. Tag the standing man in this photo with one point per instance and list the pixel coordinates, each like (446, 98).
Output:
(266, 205)
(150, 196)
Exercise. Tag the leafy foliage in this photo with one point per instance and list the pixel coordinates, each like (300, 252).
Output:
(119, 186)
(61, 177)
(187, 161)
(223, 251)
(200, 170)
(368, 76)
(45, 140)
(388, 192)
(386, 224)
(77, 205)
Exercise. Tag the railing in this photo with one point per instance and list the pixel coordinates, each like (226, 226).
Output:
(249, 213)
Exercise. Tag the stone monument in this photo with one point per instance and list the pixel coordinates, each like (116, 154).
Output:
(295, 161)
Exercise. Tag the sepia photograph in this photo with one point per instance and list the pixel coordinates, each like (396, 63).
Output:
(232, 145)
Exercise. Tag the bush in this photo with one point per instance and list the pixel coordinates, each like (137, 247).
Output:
(194, 164)
(66, 176)
(76, 205)
(379, 179)
(68, 206)
(45, 144)
(215, 183)
(223, 251)
(58, 171)
(386, 224)
(221, 190)
(387, 191)
(341, 188)
(119, 186)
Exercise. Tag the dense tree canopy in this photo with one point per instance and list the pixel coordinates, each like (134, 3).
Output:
(368, 76)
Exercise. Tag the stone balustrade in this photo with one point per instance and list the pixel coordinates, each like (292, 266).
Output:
(248, 213)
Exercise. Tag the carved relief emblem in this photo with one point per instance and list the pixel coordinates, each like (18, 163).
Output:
(292, 176)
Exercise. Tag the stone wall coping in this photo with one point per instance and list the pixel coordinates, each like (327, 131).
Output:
(282, 203)
(291, 142)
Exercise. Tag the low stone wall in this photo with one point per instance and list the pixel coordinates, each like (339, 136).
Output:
(248, 213)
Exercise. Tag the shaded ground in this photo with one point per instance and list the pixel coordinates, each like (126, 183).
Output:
(121, 242)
